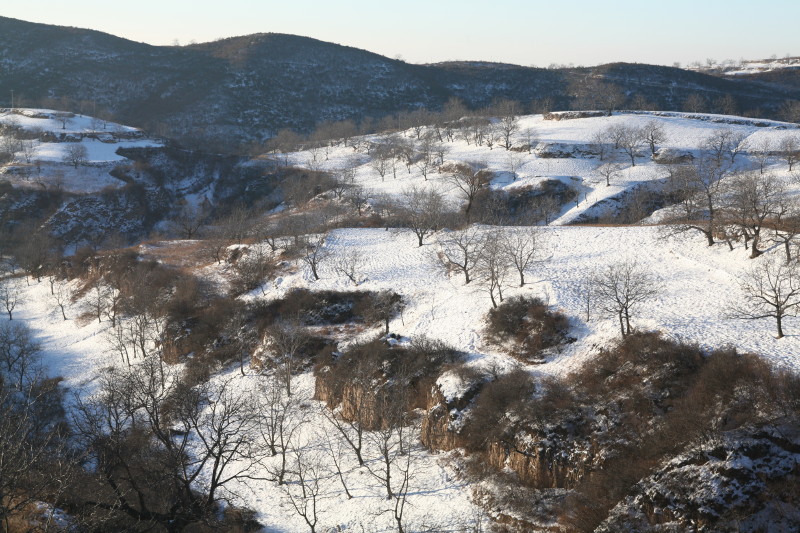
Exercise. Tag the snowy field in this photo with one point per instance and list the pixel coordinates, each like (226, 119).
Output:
(41, 164)
(699, 285)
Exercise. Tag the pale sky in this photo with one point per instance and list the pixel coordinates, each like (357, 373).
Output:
(525, 32)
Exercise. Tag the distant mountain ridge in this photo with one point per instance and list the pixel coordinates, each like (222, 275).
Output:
(246, 88)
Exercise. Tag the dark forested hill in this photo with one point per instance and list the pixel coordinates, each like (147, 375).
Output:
(246, 88)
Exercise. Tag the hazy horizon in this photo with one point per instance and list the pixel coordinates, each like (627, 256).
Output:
(511, 31)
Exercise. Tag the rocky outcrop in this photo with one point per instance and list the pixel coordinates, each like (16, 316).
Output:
(540, 461)
(744, 480)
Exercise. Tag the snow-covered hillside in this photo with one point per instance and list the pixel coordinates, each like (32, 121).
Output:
(40, 141)
(751, 66)
(698, 284)
(685, 133)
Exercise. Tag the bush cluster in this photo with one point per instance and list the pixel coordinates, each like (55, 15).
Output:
(526, 327)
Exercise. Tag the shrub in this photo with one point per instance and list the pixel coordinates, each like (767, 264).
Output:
(316, 308)
(526, 327)
(495, 412)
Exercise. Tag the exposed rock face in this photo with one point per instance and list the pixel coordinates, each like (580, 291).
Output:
(542, 462)
(354, 401)
(437, 432)
(741, 481)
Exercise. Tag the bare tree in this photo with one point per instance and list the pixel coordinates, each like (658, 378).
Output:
(286, 340)
(789, 149)
(282, 417)
(724, 142)
(790, 111)
(19, 356)
(391, 440)
(61, 294)
(622, 287)
(697, 189)
(726, 105)
(385, 306)
(762, 153)
(614, 134)
(252, 268)
(422, 211)
(599, 143)
(654, 134)
(508, 125)
(35, 458)
(196, 438)
(75, 154)
(381, 159)
(608, 96)
(592, 93)
(771, 290)
(738, 144)
(469, 182)
(695, 103)
(335, 448)
(488, 133)
(423, 164)
(531, 137)
(223, 421)
(28, 149)
(344, 179)
(753, 199)
(357, 393)
(349, 265)
(99, 299)
(493, 265)
(64, 117)
(404, 467)
(358, 197)
(584, 289)
(521, 246)
(546, 207)
(515, 160)
(313, 253)
(189, 220)
(787, 226)
(461, 250)
(9, 295)
(304, 490)
(630, 139)
(610, 169)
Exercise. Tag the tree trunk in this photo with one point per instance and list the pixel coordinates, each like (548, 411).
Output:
(779, 318)
(521, 278)
(754, 251)
(788, 251)
(709, 237)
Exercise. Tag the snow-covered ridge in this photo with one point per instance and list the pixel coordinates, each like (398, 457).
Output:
(40, 143)
(750, 66)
